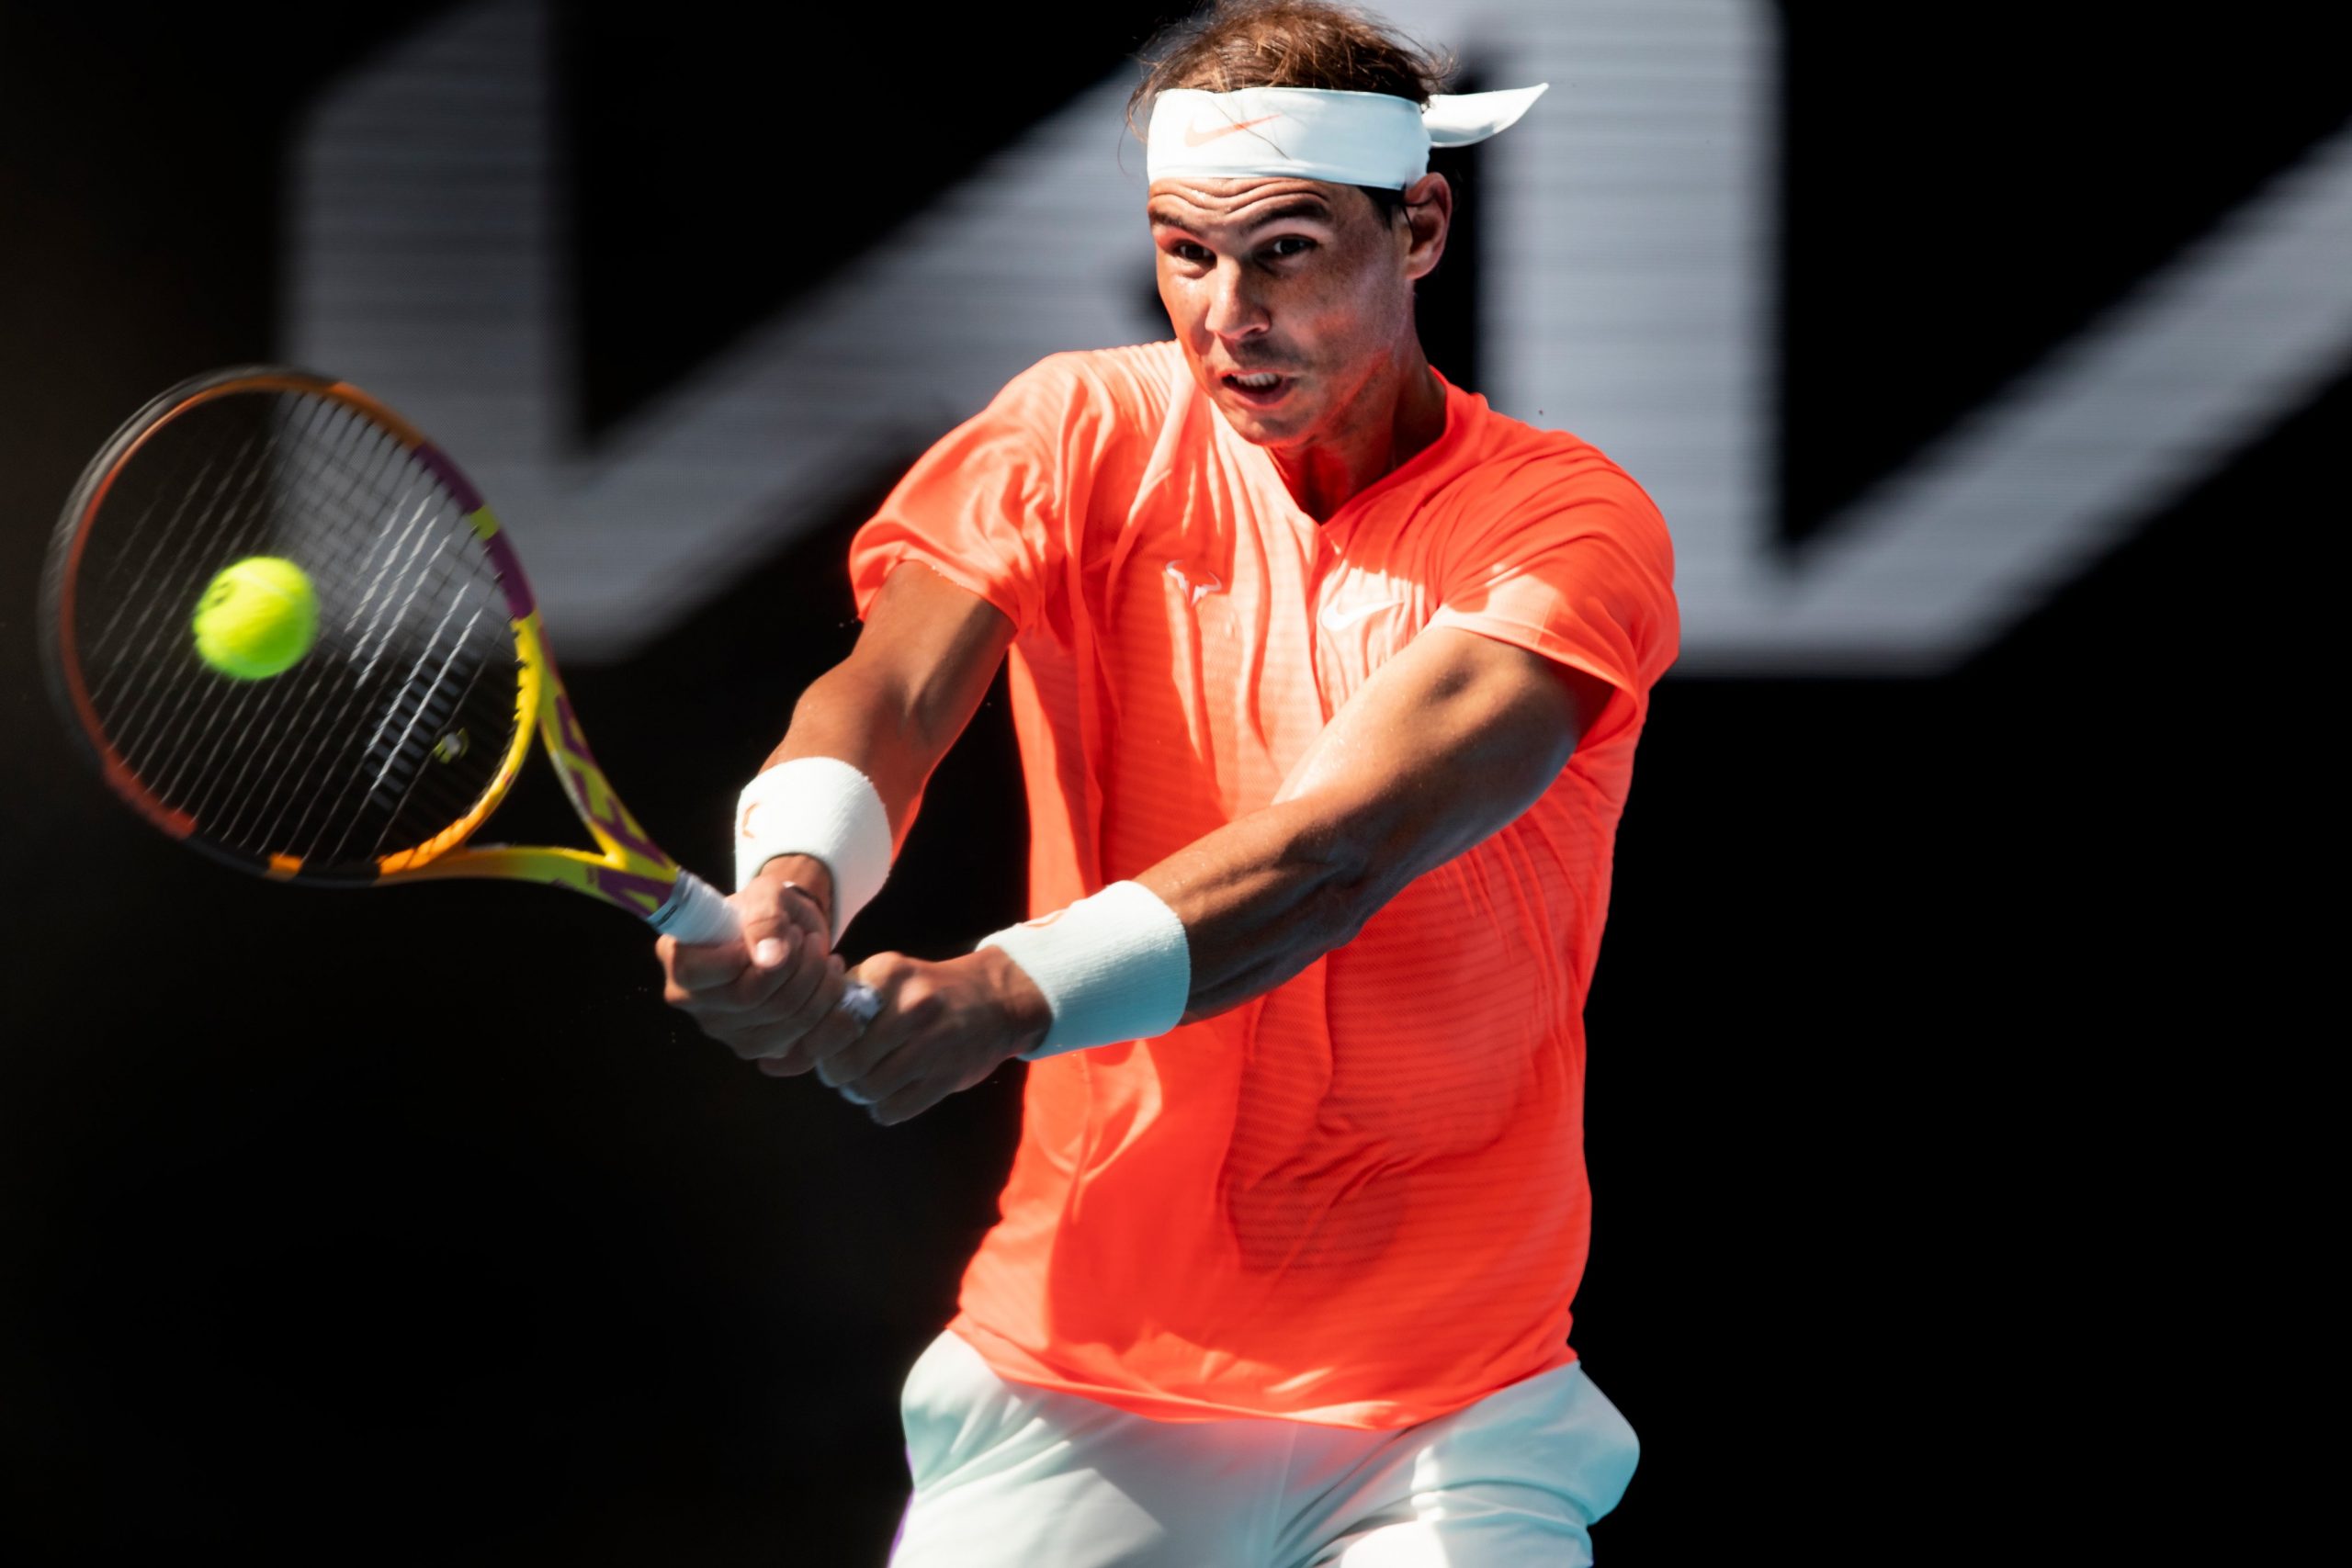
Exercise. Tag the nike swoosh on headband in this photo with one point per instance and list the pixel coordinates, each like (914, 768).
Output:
(1366, 138)
(1195, 137)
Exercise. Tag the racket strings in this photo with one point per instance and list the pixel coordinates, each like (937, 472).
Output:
(322, 468)
(397, 720)
(207, 728)
(425, 558)
(447, 667)
(231, 718)
(196, 487)
(401, 758)
(337, 559)
(138, 599)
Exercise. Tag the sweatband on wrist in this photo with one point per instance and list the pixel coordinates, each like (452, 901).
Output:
(822, 807)
(1114, 966)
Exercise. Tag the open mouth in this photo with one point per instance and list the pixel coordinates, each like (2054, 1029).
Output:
(1258, 386)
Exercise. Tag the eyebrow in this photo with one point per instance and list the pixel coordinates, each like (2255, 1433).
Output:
(1313, 206)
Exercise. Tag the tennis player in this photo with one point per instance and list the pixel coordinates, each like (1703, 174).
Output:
(1328, 679)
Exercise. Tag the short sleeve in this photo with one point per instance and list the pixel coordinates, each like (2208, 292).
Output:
(1580, 570)
(991, 505)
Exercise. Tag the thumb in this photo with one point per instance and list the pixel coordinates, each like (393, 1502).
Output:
(769, 933)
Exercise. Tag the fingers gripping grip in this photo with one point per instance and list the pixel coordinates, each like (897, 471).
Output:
(697, 913)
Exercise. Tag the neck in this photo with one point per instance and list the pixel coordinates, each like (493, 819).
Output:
(1391, 419)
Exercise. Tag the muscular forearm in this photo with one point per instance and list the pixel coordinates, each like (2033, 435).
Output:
(1420, 773)
(1265, 896)
(863, 717)
(893, 708)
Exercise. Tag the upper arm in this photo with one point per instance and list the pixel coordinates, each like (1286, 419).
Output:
(962, 555)
(993, 504)
(1578, 569)
(923, 663)
(1556, 616)
(932, 646)
(1446, 743)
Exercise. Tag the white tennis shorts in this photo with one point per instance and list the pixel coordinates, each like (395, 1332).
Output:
(1008, 1475)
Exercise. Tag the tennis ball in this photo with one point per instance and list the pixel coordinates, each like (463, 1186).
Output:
(256, 618)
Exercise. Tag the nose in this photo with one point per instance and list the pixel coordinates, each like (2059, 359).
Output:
(1235, 309)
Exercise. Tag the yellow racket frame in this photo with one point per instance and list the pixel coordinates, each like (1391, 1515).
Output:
(626, 868)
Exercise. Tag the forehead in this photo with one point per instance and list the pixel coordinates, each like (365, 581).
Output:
(1207, 204)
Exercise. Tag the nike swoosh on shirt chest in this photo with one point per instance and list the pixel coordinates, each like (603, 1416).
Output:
(1335, 619)
(1194, 581)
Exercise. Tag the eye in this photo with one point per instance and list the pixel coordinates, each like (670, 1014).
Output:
(1187, 250)
(1290, 245)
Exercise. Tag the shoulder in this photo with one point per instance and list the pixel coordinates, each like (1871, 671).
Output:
(1553, 481)
(1107, 389)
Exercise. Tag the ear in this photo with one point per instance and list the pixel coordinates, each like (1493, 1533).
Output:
(1428, 216)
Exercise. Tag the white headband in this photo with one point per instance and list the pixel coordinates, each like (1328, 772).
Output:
(1354, 139)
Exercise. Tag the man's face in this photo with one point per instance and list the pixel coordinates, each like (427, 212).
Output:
(1291, 299)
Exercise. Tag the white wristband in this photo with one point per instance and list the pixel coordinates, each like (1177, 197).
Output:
(1115, 967)
(818, 806)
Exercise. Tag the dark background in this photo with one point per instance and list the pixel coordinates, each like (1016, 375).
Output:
(1929, 1074)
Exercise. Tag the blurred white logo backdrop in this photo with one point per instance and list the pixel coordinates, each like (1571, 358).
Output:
(1629, 292)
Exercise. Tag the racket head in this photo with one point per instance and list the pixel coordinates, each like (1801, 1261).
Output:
(407, 718)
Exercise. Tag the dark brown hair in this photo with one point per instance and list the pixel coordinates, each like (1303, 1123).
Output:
(1233, 44)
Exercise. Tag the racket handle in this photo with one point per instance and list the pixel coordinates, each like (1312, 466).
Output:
(697, 913)
(859, 1002)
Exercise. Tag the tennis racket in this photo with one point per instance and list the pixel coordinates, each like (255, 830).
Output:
(374, 756)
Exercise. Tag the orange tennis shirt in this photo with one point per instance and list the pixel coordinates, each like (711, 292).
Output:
(1359, 1199)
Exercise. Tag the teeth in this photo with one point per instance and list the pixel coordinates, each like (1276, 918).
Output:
(1258, 382)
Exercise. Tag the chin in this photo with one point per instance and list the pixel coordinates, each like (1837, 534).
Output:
(1275, 427)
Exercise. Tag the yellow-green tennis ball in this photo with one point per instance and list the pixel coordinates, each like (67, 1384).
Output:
(256, 618)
